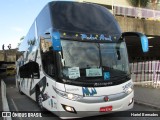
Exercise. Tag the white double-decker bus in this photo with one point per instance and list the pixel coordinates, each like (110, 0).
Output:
(75, 61)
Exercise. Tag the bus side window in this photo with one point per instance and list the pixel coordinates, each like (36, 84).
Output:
(50, 64)
(47, 57)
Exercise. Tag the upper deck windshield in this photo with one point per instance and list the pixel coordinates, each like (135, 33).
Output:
(97, 61)
(83, 17)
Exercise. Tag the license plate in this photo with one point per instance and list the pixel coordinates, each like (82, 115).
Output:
(106, 109)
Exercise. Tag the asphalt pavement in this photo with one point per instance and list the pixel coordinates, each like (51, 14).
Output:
(147, 96)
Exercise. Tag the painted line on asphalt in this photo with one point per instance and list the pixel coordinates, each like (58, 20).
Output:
(146, 104)
(16, 108)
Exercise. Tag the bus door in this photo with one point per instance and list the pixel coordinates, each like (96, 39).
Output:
(48, 72)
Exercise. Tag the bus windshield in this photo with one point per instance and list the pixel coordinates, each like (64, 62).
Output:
(71, 16)
(83, 60)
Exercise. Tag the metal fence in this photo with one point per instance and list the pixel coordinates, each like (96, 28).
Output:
(136, 12)
(146, 72)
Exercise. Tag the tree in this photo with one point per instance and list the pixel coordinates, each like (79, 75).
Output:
(139, 3)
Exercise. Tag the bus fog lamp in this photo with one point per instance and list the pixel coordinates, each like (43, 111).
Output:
(130, 102)
(68, 108)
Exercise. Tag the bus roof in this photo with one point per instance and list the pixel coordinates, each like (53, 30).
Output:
(85, 19)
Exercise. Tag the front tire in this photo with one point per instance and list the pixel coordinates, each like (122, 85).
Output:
(39, 100)
(19, 89)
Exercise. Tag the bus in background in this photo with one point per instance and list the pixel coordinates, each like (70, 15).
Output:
(145, 67)
(75, 61)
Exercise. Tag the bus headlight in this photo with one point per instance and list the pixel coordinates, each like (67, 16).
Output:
(129, 90)
(69, 96)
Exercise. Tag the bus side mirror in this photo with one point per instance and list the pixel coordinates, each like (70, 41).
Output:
(56, 43)
(143, 39)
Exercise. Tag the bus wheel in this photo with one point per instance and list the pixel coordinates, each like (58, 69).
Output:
(39, 99)
(19, 89)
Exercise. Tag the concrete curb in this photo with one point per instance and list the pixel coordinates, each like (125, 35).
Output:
(5, 106)
(146, 104)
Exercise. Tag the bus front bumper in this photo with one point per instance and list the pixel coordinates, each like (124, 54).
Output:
(73, 109)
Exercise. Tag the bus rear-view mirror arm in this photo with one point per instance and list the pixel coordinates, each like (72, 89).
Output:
(143, 38)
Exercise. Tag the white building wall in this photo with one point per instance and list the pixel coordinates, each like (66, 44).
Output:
(109, 2)
(121, 3)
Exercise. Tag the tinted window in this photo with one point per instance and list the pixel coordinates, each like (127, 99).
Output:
(83, 17)
(43, 21)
